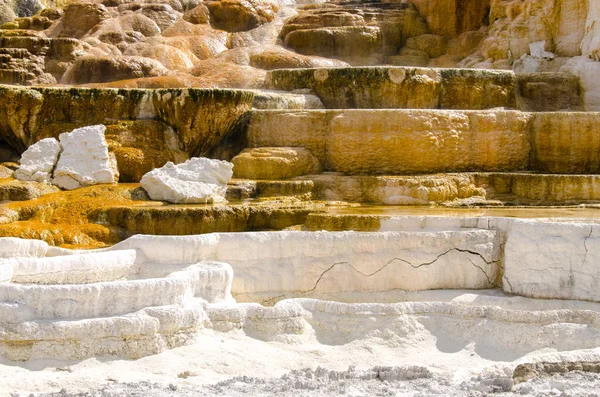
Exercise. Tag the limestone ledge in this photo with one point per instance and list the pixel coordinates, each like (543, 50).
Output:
(200, 117)
(313, 262)
(553, 260)
(176, 287)
(541, 258)
(414, 141)
(401, 87)
(455, 188)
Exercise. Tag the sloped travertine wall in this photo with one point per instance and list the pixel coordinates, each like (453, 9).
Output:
(200, 117)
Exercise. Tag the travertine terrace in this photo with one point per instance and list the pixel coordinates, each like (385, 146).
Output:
(325, 198)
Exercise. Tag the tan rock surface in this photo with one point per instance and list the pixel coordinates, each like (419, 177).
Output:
(360, 45)
(395, 190)
(401, 87)
(420, 141)
(400, 141)
(415, 141)
(142, 145)
(274, 163)
(549, 92)
(464, 189)
(566, 143)
(279, 58)
(92, 69)
(515, 24)
(241, 15)
(15, 190)
(197, 15)
(201, 118)
(453, 17)
(432, 44)
(79, 18)
(359, 35)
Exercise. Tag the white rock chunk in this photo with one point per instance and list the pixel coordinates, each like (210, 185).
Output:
(38, 161)
(196, 181)
(84, 160)
(537, 50)
(553, 260)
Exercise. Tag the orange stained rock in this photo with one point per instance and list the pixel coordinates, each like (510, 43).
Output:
(66, 218)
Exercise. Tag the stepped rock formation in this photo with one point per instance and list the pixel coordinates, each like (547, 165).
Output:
(255, 187)
(274, 163)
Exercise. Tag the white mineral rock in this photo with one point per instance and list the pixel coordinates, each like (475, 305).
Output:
(38, 161)
(287, 262)
(11, 247)
(196, 181)
(537, 50)
(85, 159)
(553, 260)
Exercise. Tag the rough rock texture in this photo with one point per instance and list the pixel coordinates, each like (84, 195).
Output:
(514, 25)
(548, 92)
(590, 47)
(454, 189)
(6, 172)
(453, 17)
(399, 190)
(38, 161)
(338, 262)
(526, 372)
(198, 180)
(419, 141)
(401, 87)
(104, 69)
(565, 143)
(200, 118)
(274, 163)
(399, 141)
(241, 15)
(18, 8)
(358, 34)
(84, 159)
(553, 260)
(81, 17)
(141, 146)
(16, 190)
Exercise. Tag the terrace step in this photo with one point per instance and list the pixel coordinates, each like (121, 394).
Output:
(244, 189)
(11, 76)
(458, 189)
(411, 141)
(386, 87)
(268, 99)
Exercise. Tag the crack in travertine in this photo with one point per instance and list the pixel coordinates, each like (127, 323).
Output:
(408, 263)
(482, 270)
(585, 240)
